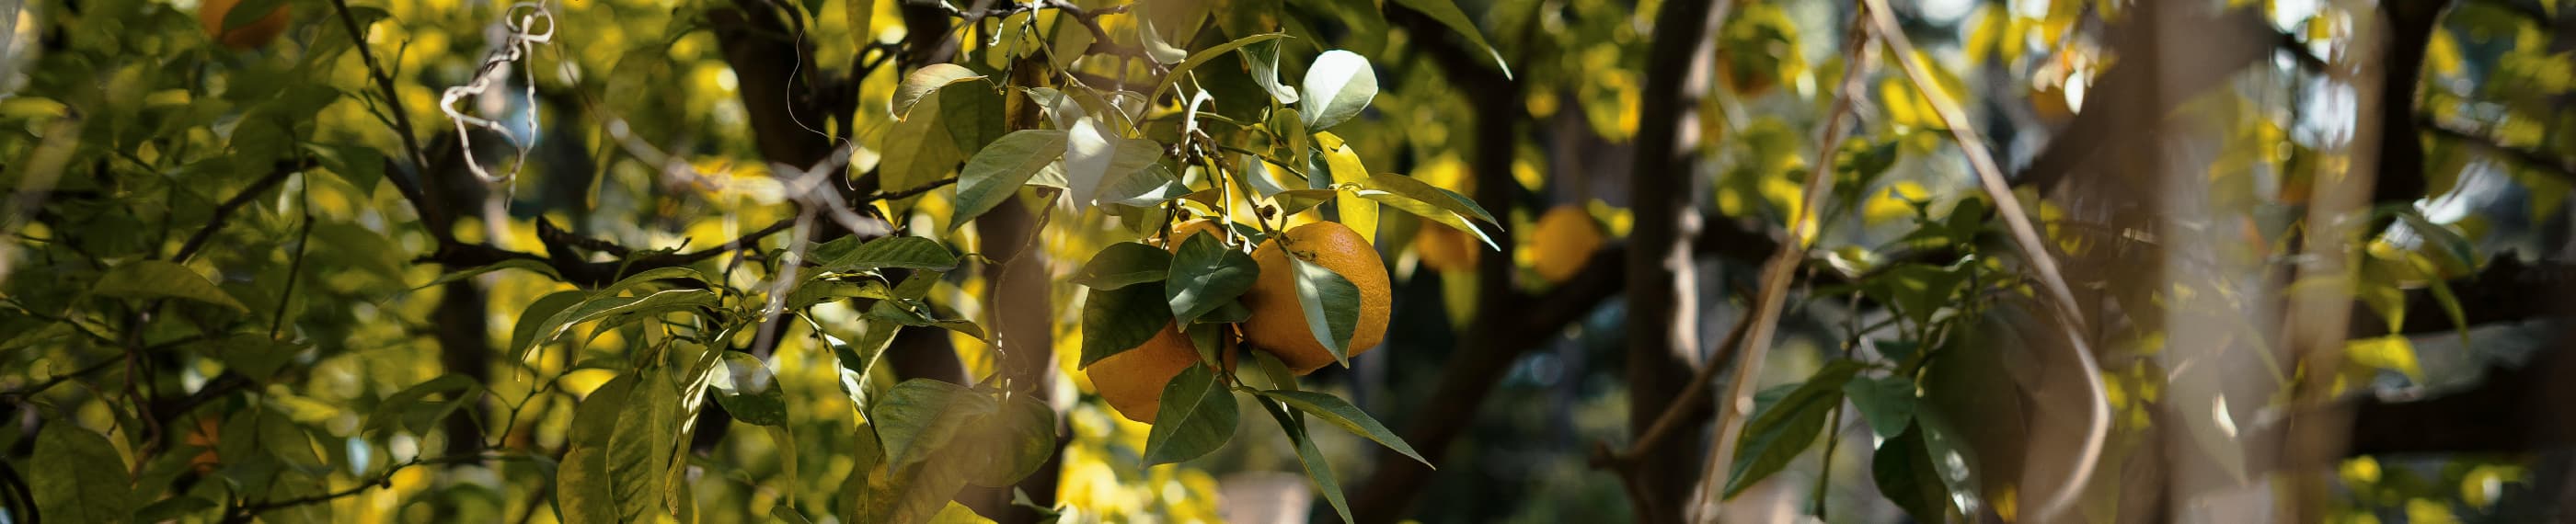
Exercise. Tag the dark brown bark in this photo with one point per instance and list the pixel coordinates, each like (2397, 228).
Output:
(1662, 285)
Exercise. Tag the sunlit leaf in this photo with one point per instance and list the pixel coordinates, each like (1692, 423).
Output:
(748, 391)
(639, 449)
(921, 416)
(998, 171)
(922, 82)
(1338, 86)
(908, 252)
(1331, 305)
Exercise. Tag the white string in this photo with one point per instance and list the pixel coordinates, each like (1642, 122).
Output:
(516, 48)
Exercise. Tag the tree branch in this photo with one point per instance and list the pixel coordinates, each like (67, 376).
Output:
(224, 212)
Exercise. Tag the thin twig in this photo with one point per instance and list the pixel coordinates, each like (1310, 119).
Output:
(244, 513)
(303, 239)
(1783, 267)
(224, 212)
(1686, 402)
(402, 118)
(2034, 252)
(934, 185)
(40, 387)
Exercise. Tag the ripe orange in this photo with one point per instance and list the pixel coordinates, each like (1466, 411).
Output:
(1132, 381)
(1278, 323)
(1445, 249)
(1564, 241)
(253, 35)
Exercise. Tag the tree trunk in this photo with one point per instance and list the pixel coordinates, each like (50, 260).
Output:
(1663, 303)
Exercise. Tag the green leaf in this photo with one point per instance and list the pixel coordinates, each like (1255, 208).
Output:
(919, 147)
(1903, 469)
(659, 302)
(1425, 209)
(515, 263)
(1149, 187)
(1919, 289)
(255, 355)
(1264, 61)
(1340, 412)
(361, 166)
(1205, 275)
(1197, 417)
(909, 252)
(1449, 15)
(788, 514)
(928, 79)
(972, 113)
(640, 448)
(1204, 55)
(783, 439)
(1290, 127)
(955, 513)
(1124, 263)
(856, 360)
(1318, 469)
(249, 11)
(1781, 432)
(524, 331)
(582, 481)
(998, 171)
(1338, 86)
(921, 416)
(1276, 371)
(821, 291)
(653, 275)
(1117, 320)
(163, 279)
(1886, 402)
(407, 410)
(1331, 305)
(283, 439)
(77, 476)
(745, 387)
(1439, 197)
(1011, 443)
(1294, 201)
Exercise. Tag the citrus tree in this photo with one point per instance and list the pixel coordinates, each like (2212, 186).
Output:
(952, 261)
(319, 193)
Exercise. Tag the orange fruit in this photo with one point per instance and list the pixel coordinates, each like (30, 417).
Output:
(1132, 381)
(1278, 322)
(1564, 241)
(1445, 249)
(252, 35)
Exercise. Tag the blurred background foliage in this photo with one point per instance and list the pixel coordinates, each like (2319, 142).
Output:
(131, 127)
